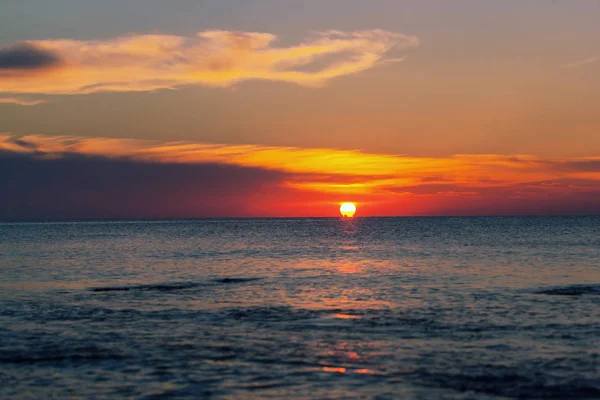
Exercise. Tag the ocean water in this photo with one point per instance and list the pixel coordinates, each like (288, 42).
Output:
(386, 308)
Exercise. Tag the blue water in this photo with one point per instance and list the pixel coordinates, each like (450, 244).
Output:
(424, 308)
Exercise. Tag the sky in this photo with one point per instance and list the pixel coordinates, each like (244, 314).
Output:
(286, 108)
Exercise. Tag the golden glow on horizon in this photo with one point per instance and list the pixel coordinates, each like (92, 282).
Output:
(348, 210)
(310, 180)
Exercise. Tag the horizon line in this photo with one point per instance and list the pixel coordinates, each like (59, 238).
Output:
(167, 219)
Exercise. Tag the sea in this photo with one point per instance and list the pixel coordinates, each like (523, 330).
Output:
(363, 308)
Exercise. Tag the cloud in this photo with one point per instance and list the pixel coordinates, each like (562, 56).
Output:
(582, 62)
(580, 165)
(480, 169)
(366, 169)
(403, 170)
(78, 177)
(20, 101)
(77, 186)
(211, 58)
(26, 56)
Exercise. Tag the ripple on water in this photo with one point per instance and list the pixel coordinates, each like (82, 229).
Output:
(165, 287)
(571, 290)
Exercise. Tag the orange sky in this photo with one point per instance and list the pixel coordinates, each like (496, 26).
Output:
(407, 108)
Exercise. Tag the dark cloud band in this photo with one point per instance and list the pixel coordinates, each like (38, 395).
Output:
(26, 57)
(35, 186)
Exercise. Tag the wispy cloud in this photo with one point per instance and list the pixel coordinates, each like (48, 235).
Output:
(20, 101)
(211, 58)
(581, 63)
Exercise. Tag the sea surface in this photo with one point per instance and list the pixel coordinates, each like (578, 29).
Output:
(383, 308)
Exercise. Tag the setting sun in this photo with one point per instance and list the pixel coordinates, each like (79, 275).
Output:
(348, 210)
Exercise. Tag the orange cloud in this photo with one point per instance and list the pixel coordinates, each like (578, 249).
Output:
(19, 101)
(83, 176)
(211, 58)
(341, 172)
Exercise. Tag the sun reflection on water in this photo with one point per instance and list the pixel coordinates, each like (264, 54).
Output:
(346, 316)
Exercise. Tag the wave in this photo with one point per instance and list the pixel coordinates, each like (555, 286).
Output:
(236, 280)
(572, 290)
(162, 287)
(19, 359)
(166, 287)
(54, 350)
(511, 383)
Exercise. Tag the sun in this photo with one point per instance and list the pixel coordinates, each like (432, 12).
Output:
(348, 210)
